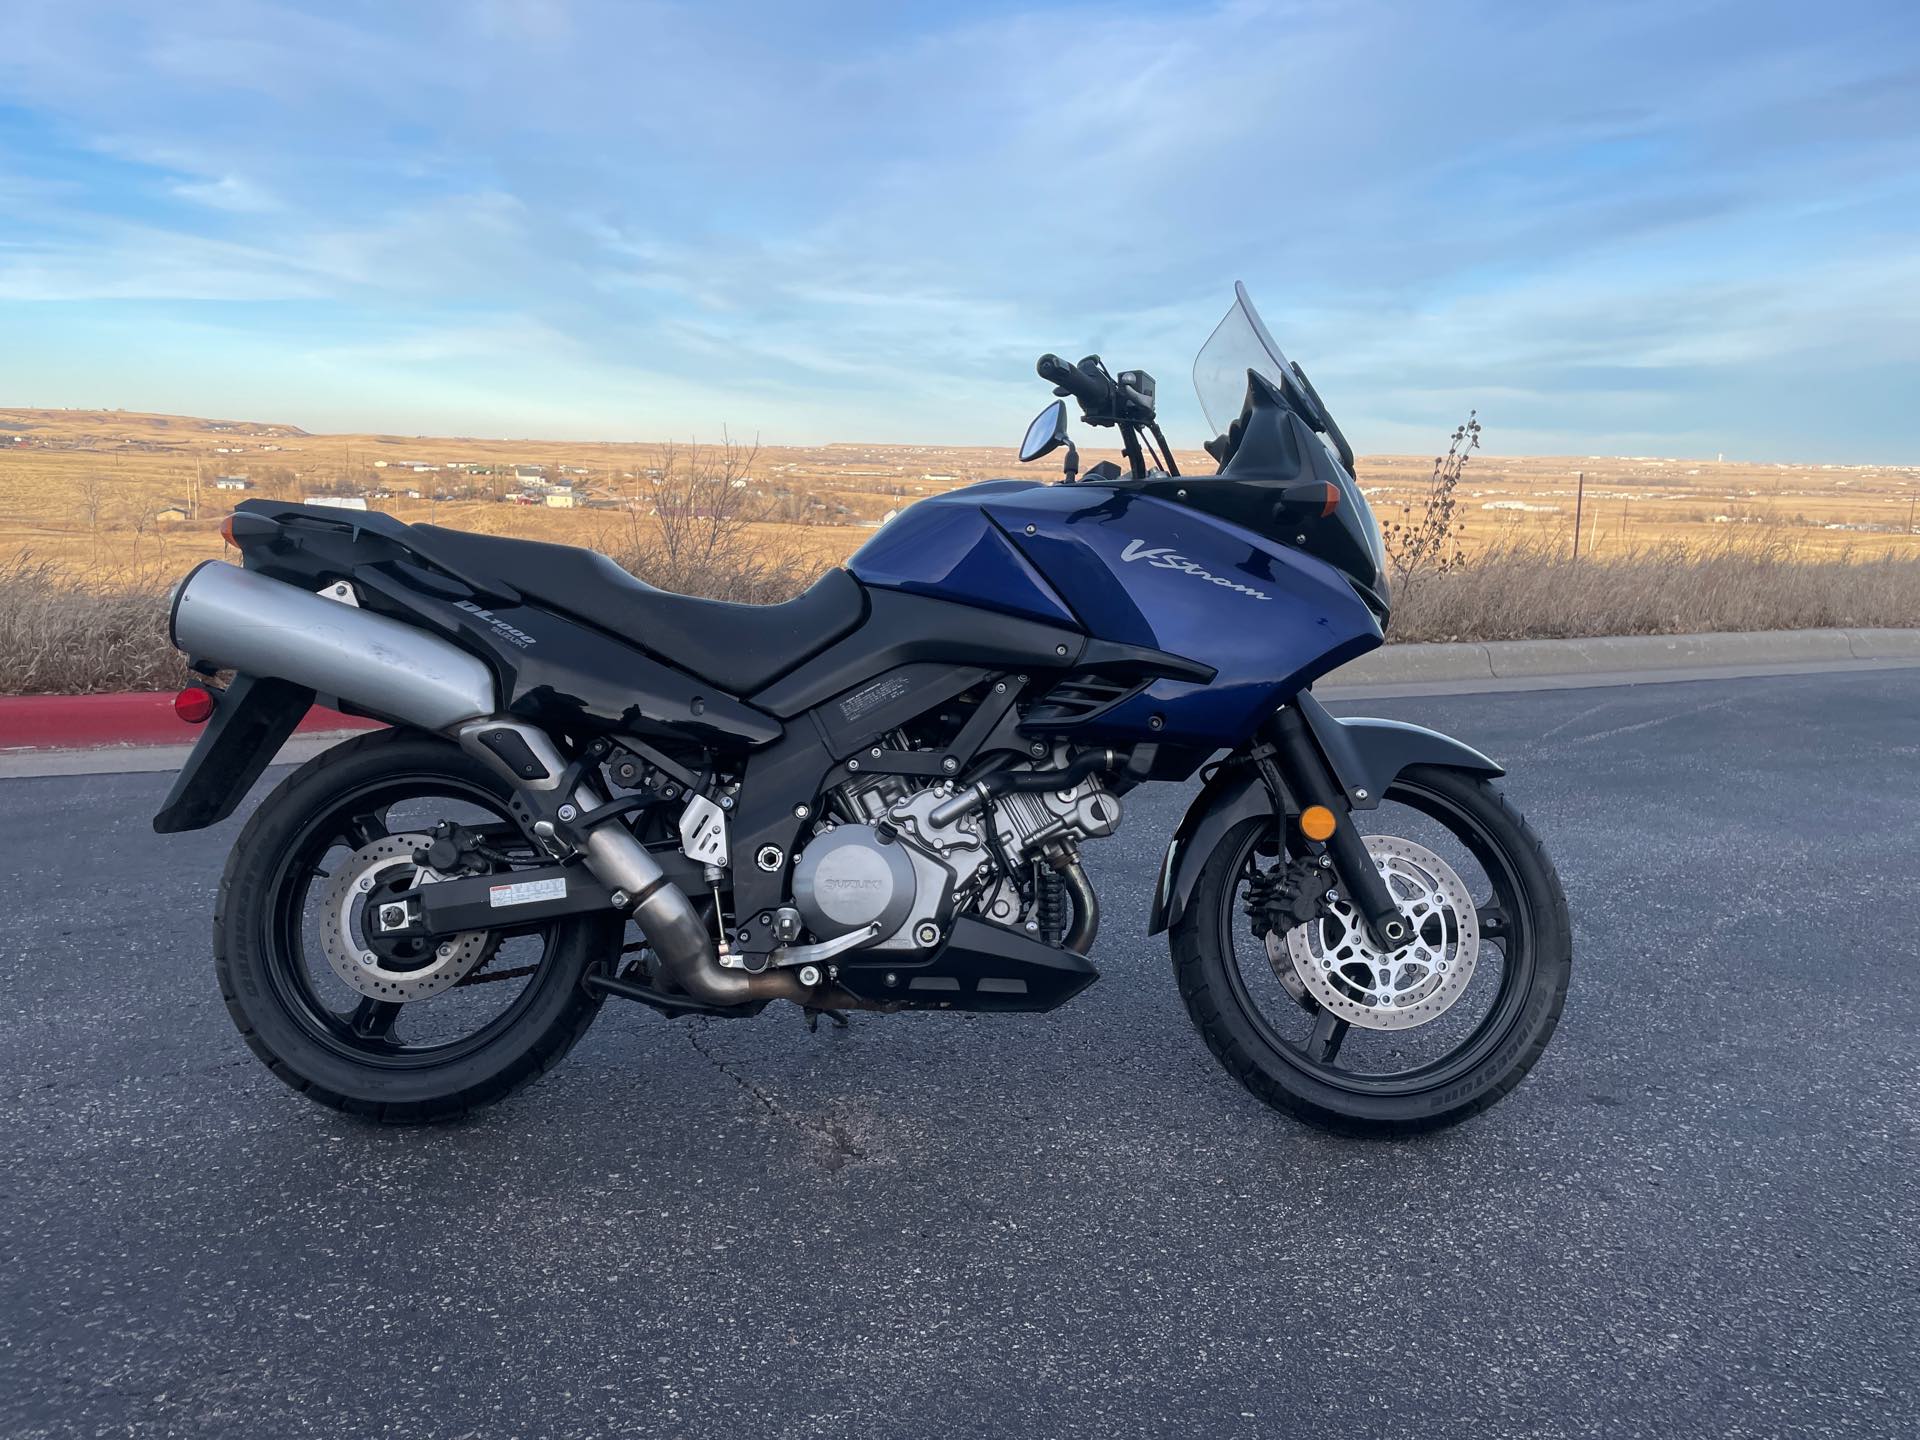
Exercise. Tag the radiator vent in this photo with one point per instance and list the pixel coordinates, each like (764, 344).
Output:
(1080, 697)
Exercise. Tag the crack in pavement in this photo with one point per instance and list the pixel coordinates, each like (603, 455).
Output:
(840, 1146)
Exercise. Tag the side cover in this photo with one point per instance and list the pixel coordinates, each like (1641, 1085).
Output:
(1266, 619)
(1365, 754)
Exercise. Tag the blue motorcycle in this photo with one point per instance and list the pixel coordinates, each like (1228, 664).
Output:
(873, 796)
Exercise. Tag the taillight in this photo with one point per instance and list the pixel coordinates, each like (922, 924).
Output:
(194, 704)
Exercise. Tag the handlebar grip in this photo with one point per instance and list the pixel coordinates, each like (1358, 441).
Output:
(1072, 380)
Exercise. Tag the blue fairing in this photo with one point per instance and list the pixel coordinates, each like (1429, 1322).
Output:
(1129, 568)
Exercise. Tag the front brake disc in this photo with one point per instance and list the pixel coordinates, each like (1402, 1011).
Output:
(1350, 976)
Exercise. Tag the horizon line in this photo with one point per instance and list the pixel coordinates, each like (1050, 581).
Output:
(759, 441)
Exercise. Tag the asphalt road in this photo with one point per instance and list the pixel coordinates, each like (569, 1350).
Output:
(1696, 1218)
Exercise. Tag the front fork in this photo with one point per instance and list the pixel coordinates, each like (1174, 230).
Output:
(1293, 766)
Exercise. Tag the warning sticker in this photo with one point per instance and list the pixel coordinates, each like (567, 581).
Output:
(854, 706)
(526, 892)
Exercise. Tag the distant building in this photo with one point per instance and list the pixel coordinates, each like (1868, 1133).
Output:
(232, 482)
(337, 502)
(171, 515)
(561, 499)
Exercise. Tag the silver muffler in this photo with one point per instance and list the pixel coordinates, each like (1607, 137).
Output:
(241, 621)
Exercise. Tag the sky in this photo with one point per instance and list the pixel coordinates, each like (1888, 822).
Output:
(1676, 228)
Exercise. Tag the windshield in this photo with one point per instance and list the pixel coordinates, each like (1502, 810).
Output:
(1238, 344)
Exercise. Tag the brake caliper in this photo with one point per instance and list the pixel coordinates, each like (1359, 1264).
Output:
(1287, 896)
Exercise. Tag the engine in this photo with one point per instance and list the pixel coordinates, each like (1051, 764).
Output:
(882, 860)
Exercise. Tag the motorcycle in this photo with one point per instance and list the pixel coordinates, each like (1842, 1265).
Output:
(872, 796)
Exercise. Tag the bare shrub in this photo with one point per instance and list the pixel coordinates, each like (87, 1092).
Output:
(59, 638)
(1429, 539)
(1758, 579)
(699, 525)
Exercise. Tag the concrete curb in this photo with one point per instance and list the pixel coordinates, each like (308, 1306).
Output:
(1752, 652)
(91, 722)
(146, 759)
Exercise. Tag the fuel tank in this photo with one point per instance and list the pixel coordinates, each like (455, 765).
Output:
(1127, 567)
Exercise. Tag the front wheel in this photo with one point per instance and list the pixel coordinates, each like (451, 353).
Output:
(407, 1031)
(1317, 1023)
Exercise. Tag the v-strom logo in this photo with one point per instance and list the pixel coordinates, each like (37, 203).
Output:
(1162, 558)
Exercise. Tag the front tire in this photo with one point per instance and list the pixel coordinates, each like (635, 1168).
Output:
(347, 1051)
(1301, 1059)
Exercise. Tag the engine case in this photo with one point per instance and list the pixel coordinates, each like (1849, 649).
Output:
(895, 867)
(848, 878)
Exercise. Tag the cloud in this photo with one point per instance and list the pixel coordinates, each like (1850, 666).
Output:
(870, 223)
(229, 192)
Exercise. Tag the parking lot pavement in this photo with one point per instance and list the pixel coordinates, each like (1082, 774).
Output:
(1696, 1218)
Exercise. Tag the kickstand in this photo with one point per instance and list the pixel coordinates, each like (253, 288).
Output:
(813, 1018)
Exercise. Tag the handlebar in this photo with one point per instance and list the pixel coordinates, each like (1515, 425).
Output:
(1093, 390)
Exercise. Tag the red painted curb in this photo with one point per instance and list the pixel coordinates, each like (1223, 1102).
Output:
(90, 722)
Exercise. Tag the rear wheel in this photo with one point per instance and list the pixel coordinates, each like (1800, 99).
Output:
(1317, 1023)
(400, 1033)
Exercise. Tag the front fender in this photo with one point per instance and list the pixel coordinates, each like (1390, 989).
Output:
(1366, 756)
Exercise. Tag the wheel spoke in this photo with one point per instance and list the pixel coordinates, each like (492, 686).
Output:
(373, 1019)
(364, 827)
(1495, 924)
(1323, 1045)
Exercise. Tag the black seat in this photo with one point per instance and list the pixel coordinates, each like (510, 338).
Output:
(738, 647)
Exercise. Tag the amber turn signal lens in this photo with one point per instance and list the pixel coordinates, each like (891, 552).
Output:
(1317, 822)
(193, 704)
(226, 532)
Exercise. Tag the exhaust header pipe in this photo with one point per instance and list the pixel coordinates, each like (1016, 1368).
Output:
(242, 621)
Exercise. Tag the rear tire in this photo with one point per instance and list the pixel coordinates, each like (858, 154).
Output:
(1484, 1068)
(258, 957)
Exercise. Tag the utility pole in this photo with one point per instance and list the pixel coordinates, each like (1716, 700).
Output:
(1579, 499)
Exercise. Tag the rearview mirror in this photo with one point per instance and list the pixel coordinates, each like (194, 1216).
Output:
(1047, 432)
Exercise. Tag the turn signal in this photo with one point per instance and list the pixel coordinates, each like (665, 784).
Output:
(1309, 499)
(194, 704)
(226, 532)
(1317, 822)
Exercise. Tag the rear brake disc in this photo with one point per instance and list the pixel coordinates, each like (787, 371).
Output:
(351, 903)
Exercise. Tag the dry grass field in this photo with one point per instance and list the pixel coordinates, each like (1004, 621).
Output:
(100, 510)
(95, 491)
